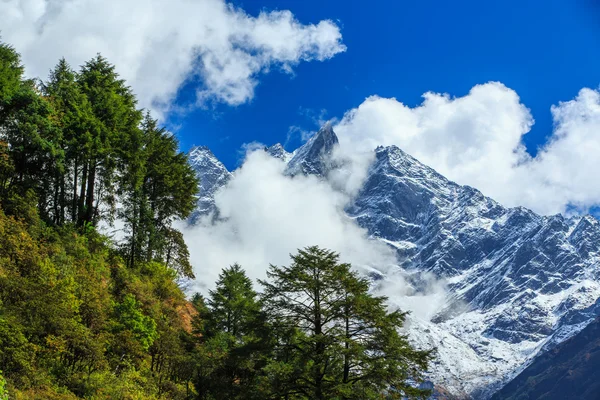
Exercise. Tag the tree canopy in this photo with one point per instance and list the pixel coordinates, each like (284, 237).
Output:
(337, 340)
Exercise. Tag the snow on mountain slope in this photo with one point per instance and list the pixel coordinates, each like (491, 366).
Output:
(212, 175)
(277, 151)
(517, 283)
(314, 156)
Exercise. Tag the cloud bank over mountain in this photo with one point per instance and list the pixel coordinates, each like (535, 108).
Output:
(476, 140)
(171, 42)
(266, 215)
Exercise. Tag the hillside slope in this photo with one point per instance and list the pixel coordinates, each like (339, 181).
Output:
(569, 371)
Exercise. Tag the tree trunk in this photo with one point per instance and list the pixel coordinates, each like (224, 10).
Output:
(133, 233)
(347, 347)
(81, 205)
(56, 200)
(89, 200)
(75, 176)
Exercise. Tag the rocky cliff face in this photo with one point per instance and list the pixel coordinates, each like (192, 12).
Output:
(314, 157)
(517, 283)
(277, 151)
(212, 175)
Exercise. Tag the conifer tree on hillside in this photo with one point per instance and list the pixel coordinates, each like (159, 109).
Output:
(29, 133)
(80, 315)
(234, 337)
(114, 138)
(162, 187)
(347, 344)
(11, 74)
(74, 117)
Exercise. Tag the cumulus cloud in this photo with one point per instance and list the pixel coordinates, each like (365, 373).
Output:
(477, 140)
(266, 216)
(157, 45)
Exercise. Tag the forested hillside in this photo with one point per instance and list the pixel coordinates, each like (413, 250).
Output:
(86, 316)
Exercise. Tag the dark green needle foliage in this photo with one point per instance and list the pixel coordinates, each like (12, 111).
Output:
(336, 340)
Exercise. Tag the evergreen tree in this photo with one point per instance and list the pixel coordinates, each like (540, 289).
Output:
(31, 135)
(114, 140)
(11, 72)
(73, 115)
(234, 335)
(161, 187)
(347, 345)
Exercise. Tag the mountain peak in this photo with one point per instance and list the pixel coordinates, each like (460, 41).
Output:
(403, 164)
(202, 154)
(277, 151)
(313, 158)
(212, 175)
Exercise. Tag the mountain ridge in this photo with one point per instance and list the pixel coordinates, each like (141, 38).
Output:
(518, 283)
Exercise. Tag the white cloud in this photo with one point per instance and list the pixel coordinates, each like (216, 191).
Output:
(266, 216)
(477, 140)
(158, 44)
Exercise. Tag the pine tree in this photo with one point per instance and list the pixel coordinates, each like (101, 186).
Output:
(74, 118)
(11, 72)
(346, 345)
(29, 133)
(114, 139)
(234, 335)
(160, 187)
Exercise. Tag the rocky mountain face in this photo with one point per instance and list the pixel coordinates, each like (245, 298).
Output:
(517, 283)
(314, 157)
(569, 371)
(277, 151)
(212, 175)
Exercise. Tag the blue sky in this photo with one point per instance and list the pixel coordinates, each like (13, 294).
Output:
(223, 64)
(545, 50)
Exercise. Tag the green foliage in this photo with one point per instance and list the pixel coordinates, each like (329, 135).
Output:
(130, 317)
(3, 392)
(162, 186)
(11, 72)
(74, 320)
(316, 332)
(76, 146)
(335, 339)
(80, 315)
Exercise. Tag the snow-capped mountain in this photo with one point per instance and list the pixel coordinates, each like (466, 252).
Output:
(517, 283)
(277, 151)
(314, 157)
(212, 175)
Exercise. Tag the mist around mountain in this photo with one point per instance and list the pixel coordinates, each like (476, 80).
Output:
(490, 287)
